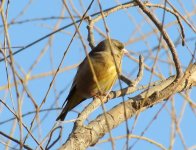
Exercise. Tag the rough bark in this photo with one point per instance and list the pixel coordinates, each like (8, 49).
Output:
(85, 136)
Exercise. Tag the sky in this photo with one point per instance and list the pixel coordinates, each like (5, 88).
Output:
(123, 26)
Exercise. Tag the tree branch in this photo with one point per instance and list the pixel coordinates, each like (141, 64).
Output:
(165, 37)
(85, 136)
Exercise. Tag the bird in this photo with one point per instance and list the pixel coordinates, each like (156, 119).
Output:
(96, 74)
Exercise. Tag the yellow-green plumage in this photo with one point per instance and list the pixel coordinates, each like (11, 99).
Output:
(105, 67)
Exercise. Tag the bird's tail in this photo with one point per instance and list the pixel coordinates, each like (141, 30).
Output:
(72, 101)
(63, 114)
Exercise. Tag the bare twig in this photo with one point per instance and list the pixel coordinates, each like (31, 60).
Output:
(22, 122)
(7, 39)
(90, 38)
(131, 136)
(140, 72)
(176, 14)
(189, 24)
(15, 140)
(60, 134)
(165, 37)
(135, 82)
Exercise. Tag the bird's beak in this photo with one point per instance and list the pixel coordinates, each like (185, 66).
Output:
(125, 51)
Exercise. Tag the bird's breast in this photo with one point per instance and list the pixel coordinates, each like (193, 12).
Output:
(104, 71)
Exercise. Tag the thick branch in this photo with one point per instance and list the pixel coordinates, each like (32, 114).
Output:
(85, 136)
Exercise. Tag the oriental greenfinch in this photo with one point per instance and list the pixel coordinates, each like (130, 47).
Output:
(96, 74)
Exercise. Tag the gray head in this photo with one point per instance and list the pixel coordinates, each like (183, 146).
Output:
(112, 45)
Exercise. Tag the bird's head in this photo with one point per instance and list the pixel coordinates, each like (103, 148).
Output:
(112, 45)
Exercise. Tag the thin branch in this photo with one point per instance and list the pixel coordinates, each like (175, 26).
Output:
(90, 38)
(140, 72)
(56, 140)
(15, 140)
(22, 122)
(189, 24)
(176, 14)
(135, 82)
(165, 37)
(131, 136)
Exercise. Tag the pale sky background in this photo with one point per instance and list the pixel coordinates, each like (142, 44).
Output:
(121, 27)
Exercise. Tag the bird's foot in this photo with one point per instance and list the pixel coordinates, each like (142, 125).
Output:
(102, 97)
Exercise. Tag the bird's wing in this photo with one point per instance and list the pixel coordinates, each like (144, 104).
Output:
(75, 80)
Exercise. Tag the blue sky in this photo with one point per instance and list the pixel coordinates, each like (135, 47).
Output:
(122, 26)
